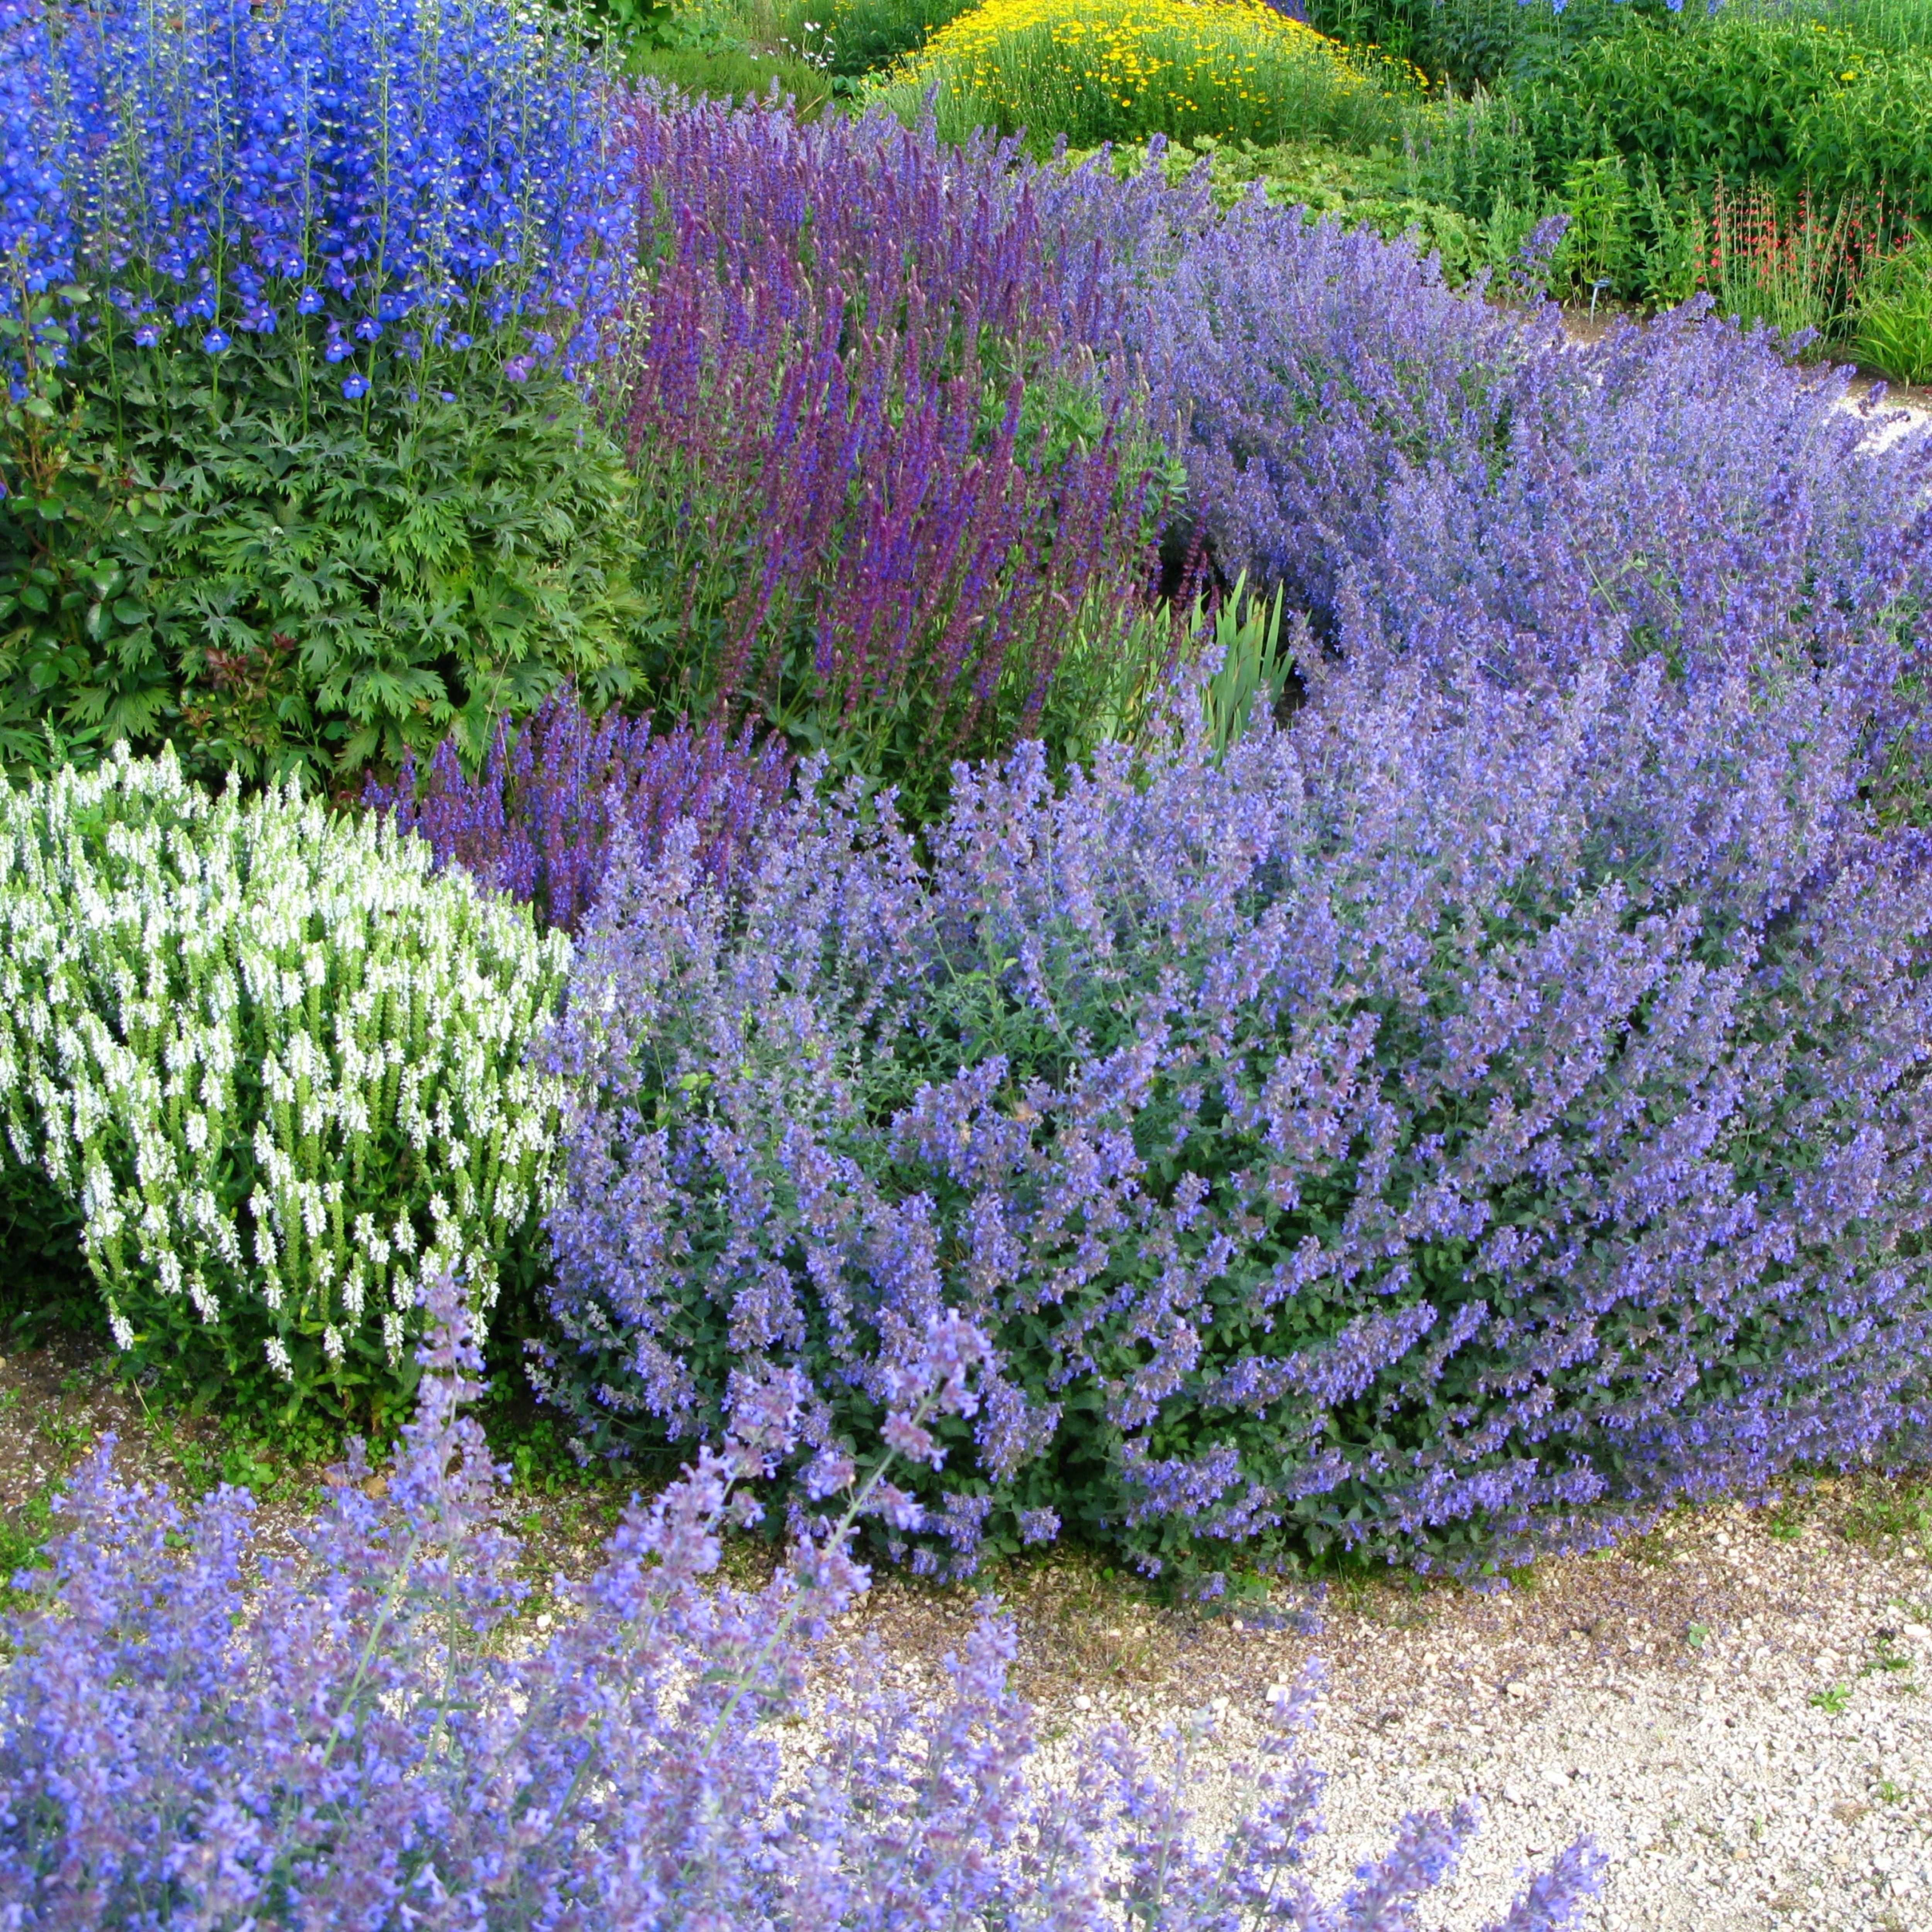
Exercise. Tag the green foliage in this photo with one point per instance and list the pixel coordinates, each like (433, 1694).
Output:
(624, 25)
(1599, 248)
(1478, 44)
(1900, 26)
(226, 552)
(810, 51)
(1788, 272)
(1793, 103)
(1115, 681)
(1255, 663)
(23, 1531)
(1470, 42)
(870, 34)
(1894, 324)
(44, 1282)
(1673, 246)
(1110, 684)
(1356, 189)
(738, 74)
(1472, 155)
(277, 1067)
(1888, 1509)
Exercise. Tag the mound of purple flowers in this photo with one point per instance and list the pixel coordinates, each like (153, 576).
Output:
(408, 170)
(1456, 1128)
(1416, 465)
(540, 818)
(370, 1735)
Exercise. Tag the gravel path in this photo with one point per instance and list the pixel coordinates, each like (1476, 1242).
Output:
(1902, 411)
(1731, 1707)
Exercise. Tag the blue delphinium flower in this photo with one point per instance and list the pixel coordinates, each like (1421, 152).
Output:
(377, 158)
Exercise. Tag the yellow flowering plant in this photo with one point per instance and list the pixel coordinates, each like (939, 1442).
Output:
(1120, 70)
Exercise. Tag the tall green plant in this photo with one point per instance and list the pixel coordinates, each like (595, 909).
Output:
(1790, 272)
(1599, 247)
(1894, 322)
(1254, 663)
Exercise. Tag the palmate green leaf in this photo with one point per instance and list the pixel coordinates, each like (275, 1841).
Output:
(375, 690)
(422, 558)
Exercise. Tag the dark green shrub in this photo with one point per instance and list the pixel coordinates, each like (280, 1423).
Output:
(1472, 43)
(44, 1278)
(1795, 104)
(871, 33)
(226, 551)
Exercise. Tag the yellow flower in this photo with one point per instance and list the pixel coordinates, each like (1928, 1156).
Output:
(1222, 39)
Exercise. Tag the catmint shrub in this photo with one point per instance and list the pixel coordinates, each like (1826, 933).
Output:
(276, 1066)
(377, 1730)
(1421, 466)
(540, 818)
(1453, 1129)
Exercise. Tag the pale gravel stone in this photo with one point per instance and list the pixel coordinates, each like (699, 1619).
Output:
(1724, 1797)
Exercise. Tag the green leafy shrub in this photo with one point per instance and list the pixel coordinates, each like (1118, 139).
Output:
(228, 552)
(278, 1066)
(1598, 250)
(1471, 155)
(1356, 190)
(1476, 43)
(1673, 246)
(843, 38)
(867, 34)
(1795, 104)
(1894, 315)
